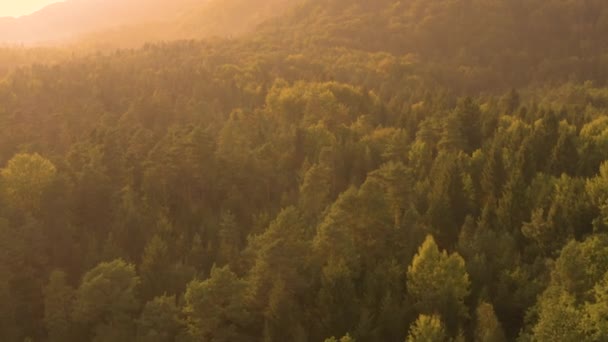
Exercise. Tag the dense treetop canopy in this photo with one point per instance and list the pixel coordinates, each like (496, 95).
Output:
(351, 170)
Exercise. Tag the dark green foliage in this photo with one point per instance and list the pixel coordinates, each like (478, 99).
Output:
(216, 309)
(160, 321)
(488, 328)
(106, 301)
(58, 306)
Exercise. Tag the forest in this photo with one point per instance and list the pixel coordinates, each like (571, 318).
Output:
(348, 171)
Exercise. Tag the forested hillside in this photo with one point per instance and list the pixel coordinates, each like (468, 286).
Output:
(105, 25)
(209, 19)
(352, 170)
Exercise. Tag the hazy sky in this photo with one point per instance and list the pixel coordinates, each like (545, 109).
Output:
(15, 8)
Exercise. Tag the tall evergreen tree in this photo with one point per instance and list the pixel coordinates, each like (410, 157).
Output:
(438, 283)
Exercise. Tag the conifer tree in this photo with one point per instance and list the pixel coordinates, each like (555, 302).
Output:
(488, 328)
(427, 329)
(438, 283)
(58, 306)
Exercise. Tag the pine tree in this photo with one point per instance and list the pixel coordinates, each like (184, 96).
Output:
(216, 308)
(229, 236)
(564, 157)
(559, 318)
(469, 117)
(488, 328)
(453, 137)
(596, 312)
(315, 190)
(427, 329)
(110, 317)
(154, 268)
(279, 277)
(511, 102)
(597, 188)
(160, 321)
(438, 283)
(58, 305)
(337, 300)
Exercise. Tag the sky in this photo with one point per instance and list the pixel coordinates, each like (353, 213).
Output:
(16, 8)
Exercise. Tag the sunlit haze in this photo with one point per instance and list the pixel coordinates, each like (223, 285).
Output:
(16, 8)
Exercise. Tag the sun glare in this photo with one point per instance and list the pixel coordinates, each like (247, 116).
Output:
(17, 8)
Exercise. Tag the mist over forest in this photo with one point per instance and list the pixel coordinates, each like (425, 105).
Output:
(304, 170)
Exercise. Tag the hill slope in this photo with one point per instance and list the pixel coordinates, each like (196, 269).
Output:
(114, 24)
(506, 41)
(215, 18)
(66, 20)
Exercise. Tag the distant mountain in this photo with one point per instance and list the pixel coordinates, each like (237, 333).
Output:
(73, 18)
(128, 23)
(231, 17)
(212, 18)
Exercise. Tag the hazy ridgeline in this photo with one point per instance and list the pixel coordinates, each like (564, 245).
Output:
(408, 170)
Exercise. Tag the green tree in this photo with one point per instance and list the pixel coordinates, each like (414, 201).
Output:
(427, 329)
(453, 137)
(593, 138)
(450, 197)
(229, 239)
(438, 283)
(571, 210)
(26, 178)
(569, 307)
(420, 159)
(216, 308)
(279, 278)
(160, 321)
(106, 301)
(345, 338)
(488, 328)
(559, 319)
(337, 300)
(315, 190)
(398, 182)
(155, 268)
(9, 329)
(510, 102)
(580, 266)
(468, 114)
(596, 311)
(541, 231)
(359, 228)
(597, 188)
(564, 157)
(58, 306)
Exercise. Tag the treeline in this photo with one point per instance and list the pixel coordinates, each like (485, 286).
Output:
(274, 188)
(472, 45)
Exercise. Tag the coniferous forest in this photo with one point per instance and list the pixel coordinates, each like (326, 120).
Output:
(350, 170)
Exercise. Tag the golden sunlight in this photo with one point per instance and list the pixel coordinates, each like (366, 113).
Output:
(17, 8)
